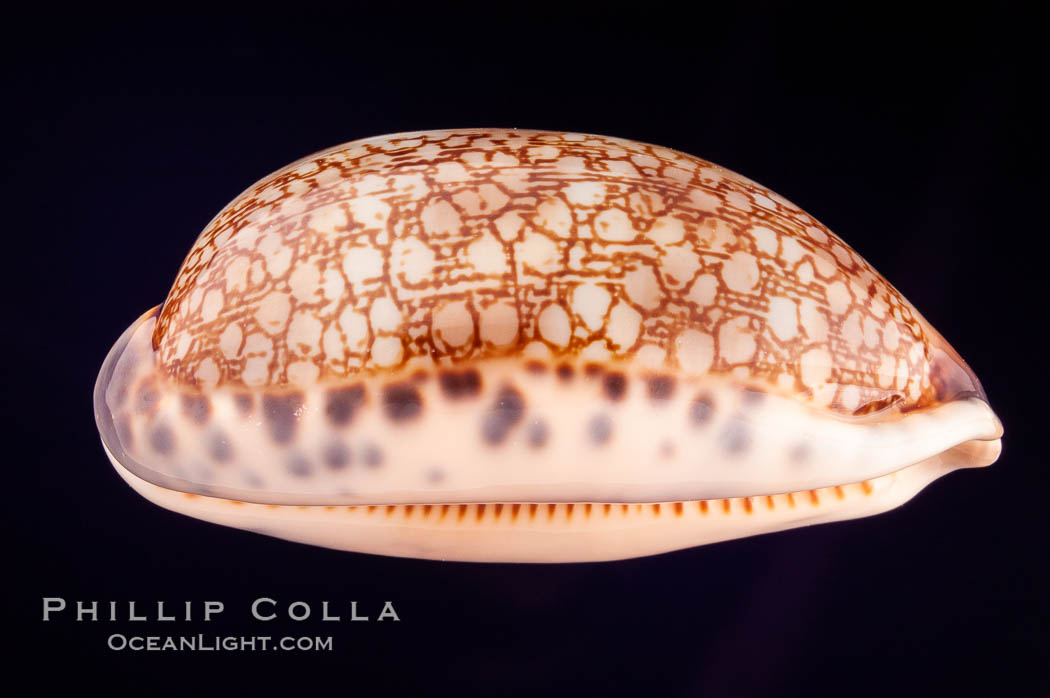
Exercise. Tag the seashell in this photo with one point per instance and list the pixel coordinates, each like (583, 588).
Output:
(488, 344)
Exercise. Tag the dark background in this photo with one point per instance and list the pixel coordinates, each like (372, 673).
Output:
(913, 137)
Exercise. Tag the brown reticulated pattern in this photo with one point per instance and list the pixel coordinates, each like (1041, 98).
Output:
(452, 246)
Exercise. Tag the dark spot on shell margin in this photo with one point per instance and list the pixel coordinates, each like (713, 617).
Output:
(146, 397)
(734, 438)
(220, 449)
(299, 465)
(799, 453)
(343, 404)
(162, 440)
(122, 425)
(372, 456)
(282, 415)
(615, 386)
(504, 415)
(244, 403)
(460, 384)
(196, 408)
(660, 387)
(537, 433)
(402, 402)
(701, 410)
(251, 479)
(336, 455)
(599, 429)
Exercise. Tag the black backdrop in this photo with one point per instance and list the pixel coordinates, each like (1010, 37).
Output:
(911, 136)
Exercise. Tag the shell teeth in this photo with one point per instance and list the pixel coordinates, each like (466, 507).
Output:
(522, 512)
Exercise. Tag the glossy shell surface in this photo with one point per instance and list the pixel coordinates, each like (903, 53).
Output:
(494, 319)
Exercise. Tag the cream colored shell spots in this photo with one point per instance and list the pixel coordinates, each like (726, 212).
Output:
(488, 317)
